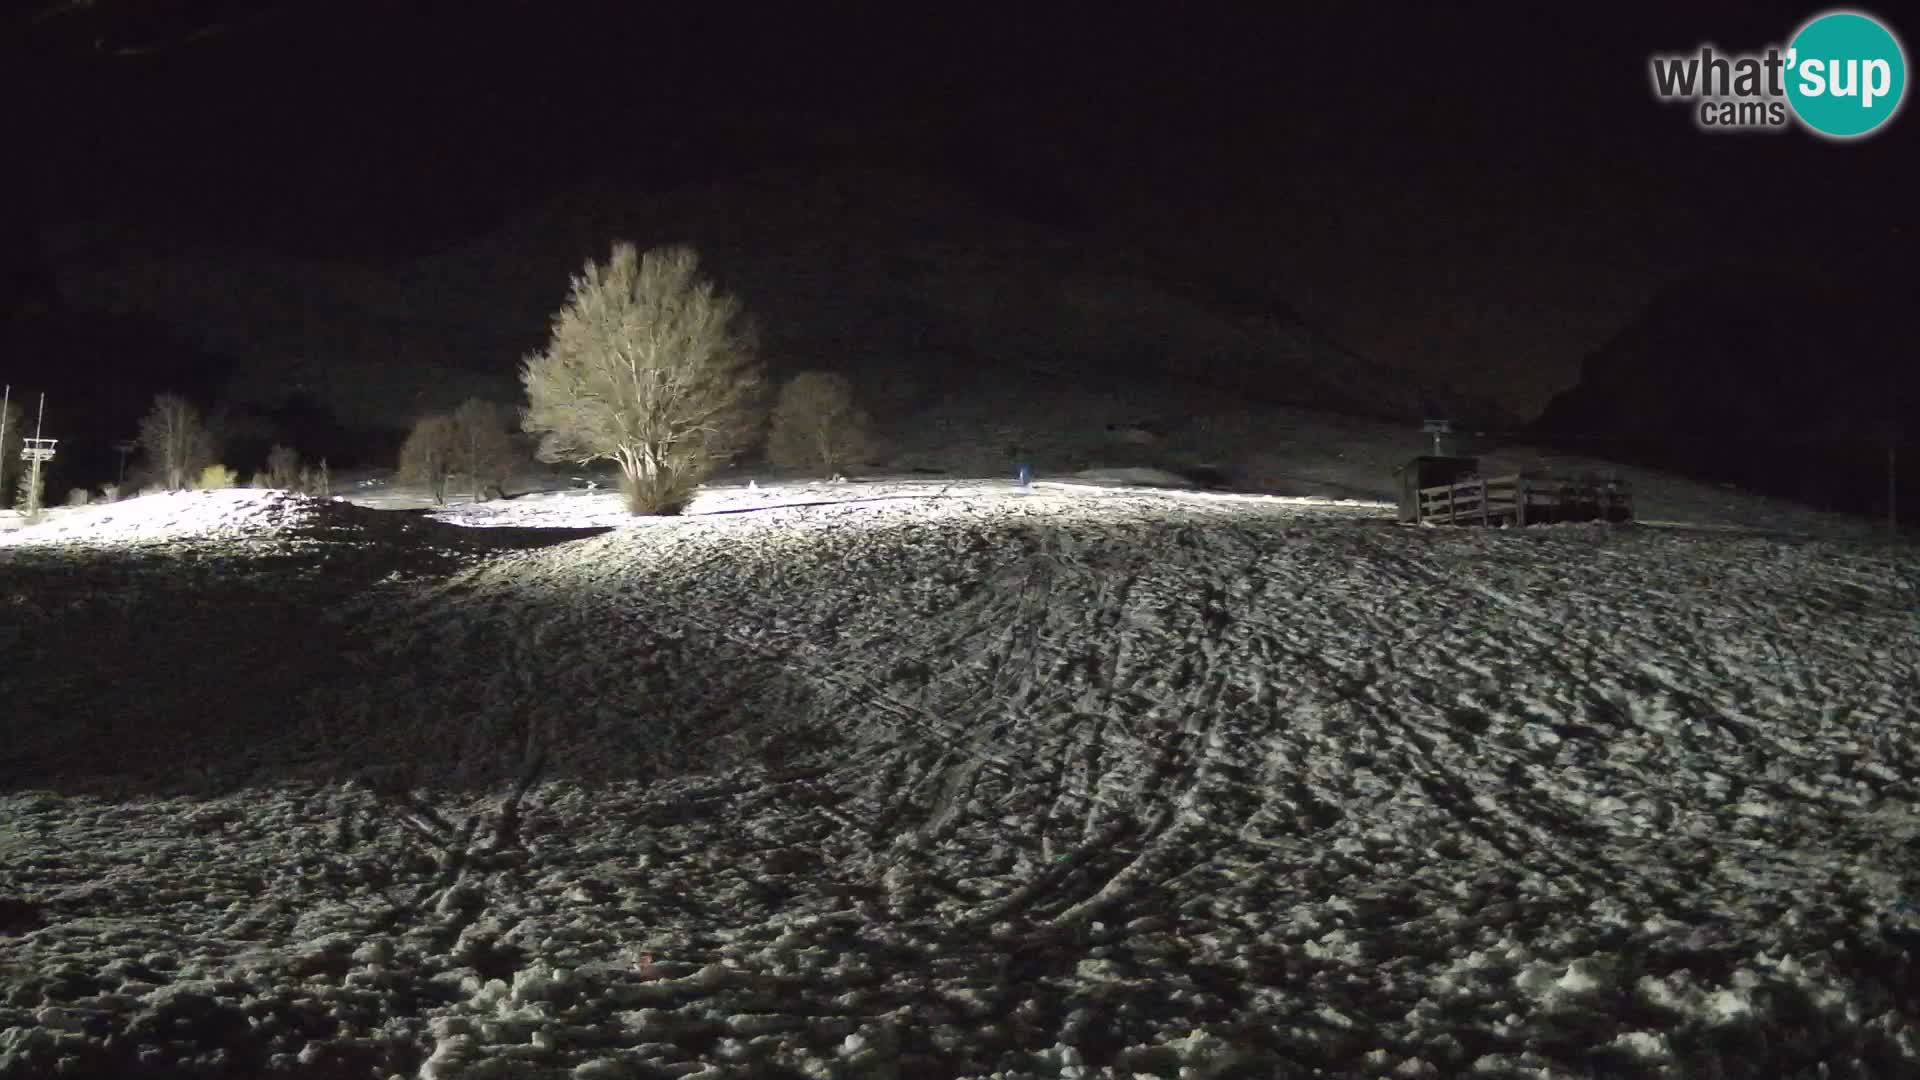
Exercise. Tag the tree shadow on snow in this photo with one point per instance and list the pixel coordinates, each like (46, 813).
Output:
(188, 670)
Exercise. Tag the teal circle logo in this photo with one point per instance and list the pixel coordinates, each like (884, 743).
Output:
(1846, 74)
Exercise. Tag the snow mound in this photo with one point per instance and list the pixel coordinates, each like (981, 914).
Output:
(231, 514)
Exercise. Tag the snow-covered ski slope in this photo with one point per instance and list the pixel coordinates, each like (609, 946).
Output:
(951, 781)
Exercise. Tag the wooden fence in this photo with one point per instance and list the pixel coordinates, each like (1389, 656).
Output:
(1523, 499)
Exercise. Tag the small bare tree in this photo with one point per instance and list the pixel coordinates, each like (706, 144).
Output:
(30, 489)
(427, 455)
(818, 422)
(483, 446)
(649, 368)
(175, 443)
(283, 468)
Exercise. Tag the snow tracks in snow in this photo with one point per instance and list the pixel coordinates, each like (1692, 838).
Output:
(1100, 783)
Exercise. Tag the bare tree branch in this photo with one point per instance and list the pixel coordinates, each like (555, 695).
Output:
(175, 443)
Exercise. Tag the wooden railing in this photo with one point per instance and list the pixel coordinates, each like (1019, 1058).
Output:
(1520, 499)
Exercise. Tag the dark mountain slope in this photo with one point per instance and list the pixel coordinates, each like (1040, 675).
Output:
(1753, 383)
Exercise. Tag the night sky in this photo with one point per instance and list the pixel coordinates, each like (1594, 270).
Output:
(1481, 192)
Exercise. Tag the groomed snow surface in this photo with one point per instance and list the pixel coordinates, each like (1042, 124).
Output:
(937, 780)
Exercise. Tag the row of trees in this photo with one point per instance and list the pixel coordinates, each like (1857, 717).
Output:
(649, 367)
(815, 423)
(474, 442)
(179, 450)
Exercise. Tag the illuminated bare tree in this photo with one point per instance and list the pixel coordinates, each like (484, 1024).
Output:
(649, 368)
(817, 422)
(175, 443)
(30, 489)
(427, 455)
